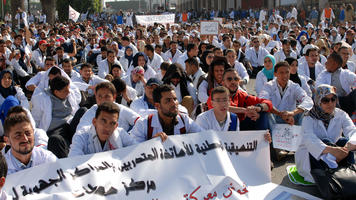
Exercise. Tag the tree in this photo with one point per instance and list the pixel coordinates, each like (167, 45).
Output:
(14, 5)
(49, 8)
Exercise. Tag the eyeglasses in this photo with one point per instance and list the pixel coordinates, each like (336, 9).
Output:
(221, 100)
(232, 78)
(210, 56)
(326, 100)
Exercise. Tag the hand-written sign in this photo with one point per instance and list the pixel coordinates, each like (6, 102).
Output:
(287, 137)
(209, 28)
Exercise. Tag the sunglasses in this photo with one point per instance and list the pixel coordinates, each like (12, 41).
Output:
(232, 78)
(210, 56)
(326, 100)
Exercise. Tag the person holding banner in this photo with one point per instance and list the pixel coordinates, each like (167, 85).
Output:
(103, 135)
(323, 129)
(167, 120)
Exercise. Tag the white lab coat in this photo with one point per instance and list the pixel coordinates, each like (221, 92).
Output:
(261, 80)
(19, 71)
(313, 131)
(36, 79)
(347, 79)
(42, 107)
(303, 69)
(127, 117)
(20, 96)
(192, 92)
(241, 70)
(139, 131)
(351, 66)
(293, 95)
(104, 68)
(86, 141)
(140, 89)
(305, 85)
(195, 77)
(174, 58)
(280, 56)
(252, 57)
(125, 63)
(213, 124)
(83, 86)
(38, 58)
(131, 93)
(39, 156)
(156, 62)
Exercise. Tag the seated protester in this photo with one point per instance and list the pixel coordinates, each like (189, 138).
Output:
(285, 52)
(116, 71)
(106, 92)
(312, 67)
(105, 65)
(206, 60)
(67, 67)
(56, 110)
(219, 118)
(251, 110)
(23, 154)
(102, 56)
(183, 87)
(162, 70)
(39, 55)
(60, 56)
(173, 53)
(3, 174)
(140, 59)
(342, 79)
(328, 134)
(289, 100)
(154, 60)
(35, 81)
(136, 80)
(255, 55)
(266, 74)
(8, 89)
(127, 59)
(103, 134)
(301, 80)
(240, 68)
(214, 78)
(193, 70)
(125, 93)
(345, 53)
(22, 66)
(192, 52)
(166, 121)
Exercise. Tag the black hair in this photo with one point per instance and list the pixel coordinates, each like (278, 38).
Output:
(108, 107)
(290, 60)
(54, 71)
(192, 61)
(11, 121)
(190, 46)
(219, 90)
(86, 65)
(58, 83)
(337, 58)
(149, 47)
(157, 92)
(119, 84)
(106, 85)
(279, 65)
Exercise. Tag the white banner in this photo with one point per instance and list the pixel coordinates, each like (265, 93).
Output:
(287, 137)
(209, 27)
(73, 14)
(207, 165)
(151, 19)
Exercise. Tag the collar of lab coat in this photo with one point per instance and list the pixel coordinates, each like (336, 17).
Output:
(156, 124)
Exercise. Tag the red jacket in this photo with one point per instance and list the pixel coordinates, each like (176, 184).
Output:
(242, 99)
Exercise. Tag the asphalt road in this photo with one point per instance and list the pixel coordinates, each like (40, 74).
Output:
(279, 173)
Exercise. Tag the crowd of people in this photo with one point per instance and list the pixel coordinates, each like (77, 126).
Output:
(72, 89)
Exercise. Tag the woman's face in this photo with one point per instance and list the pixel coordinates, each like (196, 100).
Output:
(294, 67)
(268, 63)
(218, 73)
(116, 72)
(175, 81)
(141, 61)
(6, 80)
(209, 58)
(328, 103)
(129, 52)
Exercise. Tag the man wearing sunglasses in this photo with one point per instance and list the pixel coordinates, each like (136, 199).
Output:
(342, 79)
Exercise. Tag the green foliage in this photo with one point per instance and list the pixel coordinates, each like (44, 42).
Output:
(79, 5)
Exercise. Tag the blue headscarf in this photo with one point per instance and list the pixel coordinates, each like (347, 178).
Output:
(301, 34)
(129, 58)
(269, 73)
(5, 92)
(9, 102)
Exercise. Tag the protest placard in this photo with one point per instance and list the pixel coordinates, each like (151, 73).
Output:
(219, 19)
(151, 19)
(209, 28)
(206, 165)
(286, 137)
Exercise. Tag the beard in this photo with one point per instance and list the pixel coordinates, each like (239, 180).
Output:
(170, 114)
(23, 151)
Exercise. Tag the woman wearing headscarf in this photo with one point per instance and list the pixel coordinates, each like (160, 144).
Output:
(136, 80)
(323, 129)
(8, 89)
(266, 74)
(127, 59)
(140, 59)
(299, 79)
(206, 59)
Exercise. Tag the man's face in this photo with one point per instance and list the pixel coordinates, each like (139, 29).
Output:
(67, 67)
(256, 43)
(313, 57)
(60, 53)
(218, 52)
(18, 41)
(188, 69)
(104, 95)
(104, 54)
(345, 54)
(331, 65)
(350, 35)
(286, 48)
(218, 73)
(231, 81)
(21, 138)
(194, 51)
(63, 93)
(49, 64)
(111, 58)
(220, 102)
(86, 73)
(149, 90)
(105, 125)
(168, 105)
(227, 42)
(173, 46)
(158, 50)
(231, 57)
(282, 75)
(116, 72)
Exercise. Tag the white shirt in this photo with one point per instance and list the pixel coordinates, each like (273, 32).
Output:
(213, 123)
(156, 62)
(280, 56)
(104, 68)
(192, 92)
(83, 86)
(261, 80)
(174, 58)
(347, 79)
(303, 69)
(253, 58)
(86, 141)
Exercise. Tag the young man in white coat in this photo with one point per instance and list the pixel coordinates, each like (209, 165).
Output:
(342, 79)
(166, 121)
(56, 110)
(312, 67)
(285, 52)
(154, 60)
(193, 70)
(289, 100)
(106, 92)
(103, 135)
(23, 154)
(106, 64)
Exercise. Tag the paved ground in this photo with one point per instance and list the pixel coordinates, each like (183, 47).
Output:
(279, 173)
